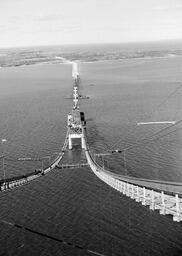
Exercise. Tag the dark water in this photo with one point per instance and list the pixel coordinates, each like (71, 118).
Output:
(128, 92)
(74, 205)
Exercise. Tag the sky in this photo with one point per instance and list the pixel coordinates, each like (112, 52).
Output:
(57, 22)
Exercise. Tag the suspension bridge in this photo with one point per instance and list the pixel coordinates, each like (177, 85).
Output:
(166, 197)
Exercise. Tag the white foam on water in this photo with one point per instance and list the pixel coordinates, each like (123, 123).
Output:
(159, 122)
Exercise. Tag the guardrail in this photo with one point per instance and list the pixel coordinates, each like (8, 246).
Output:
(158, 195)
(24, 179)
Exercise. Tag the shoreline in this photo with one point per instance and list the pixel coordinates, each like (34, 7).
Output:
(64, 61)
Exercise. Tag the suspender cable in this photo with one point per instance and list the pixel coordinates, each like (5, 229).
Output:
(153, 111)
(148, 139)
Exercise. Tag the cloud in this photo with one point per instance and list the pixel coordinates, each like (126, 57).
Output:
(50, 17)
(168, 7)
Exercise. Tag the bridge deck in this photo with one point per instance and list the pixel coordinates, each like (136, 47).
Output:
(72, 166)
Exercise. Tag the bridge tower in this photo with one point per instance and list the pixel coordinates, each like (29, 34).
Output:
(75, 128)
(76, 122)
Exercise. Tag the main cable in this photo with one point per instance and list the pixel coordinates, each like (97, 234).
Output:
(51, 237)
(150, 138)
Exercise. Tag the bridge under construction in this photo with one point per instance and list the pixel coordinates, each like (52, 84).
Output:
(164, 196)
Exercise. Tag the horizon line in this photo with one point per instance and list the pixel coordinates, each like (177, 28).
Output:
(96, 43)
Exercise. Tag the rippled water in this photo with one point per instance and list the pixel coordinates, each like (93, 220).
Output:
(130, 92)
(73, 205)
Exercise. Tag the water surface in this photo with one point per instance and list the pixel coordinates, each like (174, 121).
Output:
(73, 205)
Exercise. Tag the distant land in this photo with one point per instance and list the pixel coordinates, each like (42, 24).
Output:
(12, 57)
